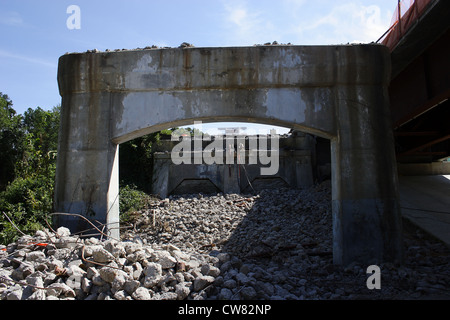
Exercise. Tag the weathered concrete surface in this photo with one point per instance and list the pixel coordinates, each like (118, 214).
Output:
(336, 92)
(295, 170)
(294, 157)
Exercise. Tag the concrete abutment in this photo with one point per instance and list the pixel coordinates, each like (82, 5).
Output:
(337, 92)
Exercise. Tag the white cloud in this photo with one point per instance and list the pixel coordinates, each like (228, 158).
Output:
(303, 22)
(238, 16)
(293, 7)
(26, 59)
(245, 25)
(348, 22)
(11, 18)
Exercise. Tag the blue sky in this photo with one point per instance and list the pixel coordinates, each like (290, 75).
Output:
(34, 33)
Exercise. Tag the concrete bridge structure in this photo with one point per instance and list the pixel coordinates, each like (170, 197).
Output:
(336, 92)
(297, 164)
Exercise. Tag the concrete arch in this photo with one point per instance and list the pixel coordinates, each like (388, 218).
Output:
(337, 92)
(135, 111)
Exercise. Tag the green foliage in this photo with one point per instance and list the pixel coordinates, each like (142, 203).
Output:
(131, 199)
(136, 157)
(28, 145)
(28, 150)
(41, 142)
(11, 137)
(136, 161)
(26, 201)
(188, 131)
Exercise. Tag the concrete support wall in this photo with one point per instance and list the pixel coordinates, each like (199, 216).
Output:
(424, 169)
(295, 170)
(87, 164)
(336, 92)
(366, 215)
(294, 157)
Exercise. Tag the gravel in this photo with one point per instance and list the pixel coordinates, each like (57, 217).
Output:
(275, 245)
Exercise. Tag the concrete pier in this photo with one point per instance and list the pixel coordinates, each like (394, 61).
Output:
(335, 92)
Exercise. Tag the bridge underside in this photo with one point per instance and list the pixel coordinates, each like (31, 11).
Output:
(420, 87)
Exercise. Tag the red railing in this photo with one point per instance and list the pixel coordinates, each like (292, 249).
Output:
(405, 15)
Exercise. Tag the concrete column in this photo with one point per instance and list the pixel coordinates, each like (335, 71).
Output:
(161, 166)
(303, 168)
(87, 177)
(230, 180)
(366, 214)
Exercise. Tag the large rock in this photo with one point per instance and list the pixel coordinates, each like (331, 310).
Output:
(101, 255)
(166, 260)
(202, 282)
(153, 274)
(141, 293)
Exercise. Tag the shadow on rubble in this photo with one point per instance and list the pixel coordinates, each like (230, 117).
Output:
(283, 225)
(286, 239)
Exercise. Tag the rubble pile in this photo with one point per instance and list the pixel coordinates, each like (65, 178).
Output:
(68, 267)
(276, 244)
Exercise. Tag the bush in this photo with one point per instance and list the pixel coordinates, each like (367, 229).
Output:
(130, 200)
(28, 146)
(26, 201)
(28, 151)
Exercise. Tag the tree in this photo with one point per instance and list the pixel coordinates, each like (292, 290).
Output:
(11, 138)
(136, 160)
(30, 146)
(28, 150)
(41, 142)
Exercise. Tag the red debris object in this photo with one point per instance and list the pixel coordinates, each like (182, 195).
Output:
(40, 244)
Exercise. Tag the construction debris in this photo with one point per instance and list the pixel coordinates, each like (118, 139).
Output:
(276, 246)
